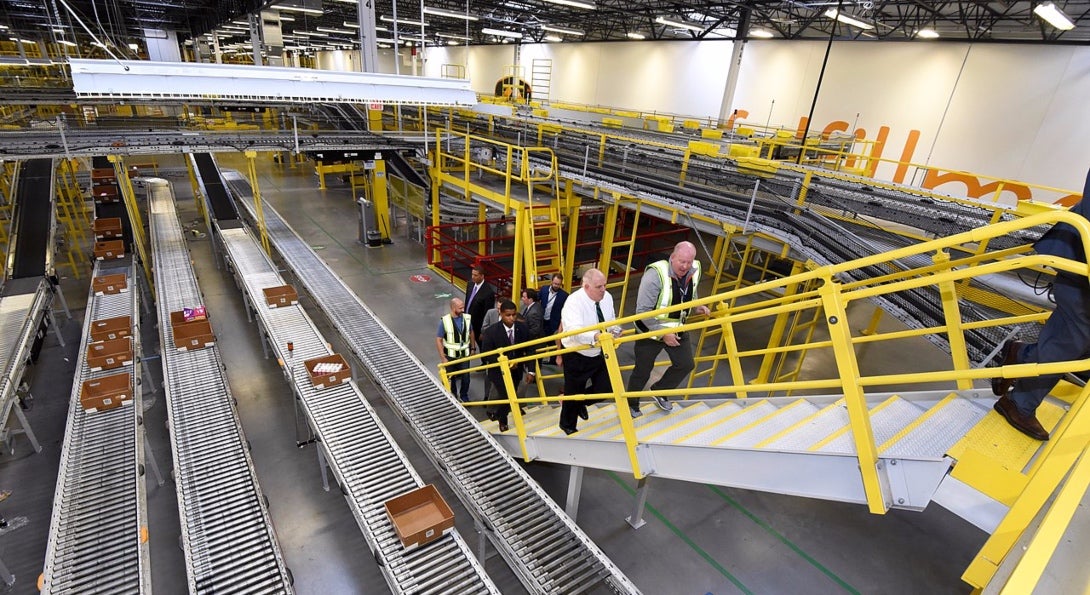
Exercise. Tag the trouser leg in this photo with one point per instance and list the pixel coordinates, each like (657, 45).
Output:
(645, 351)
(681, 364)
(1065, 336)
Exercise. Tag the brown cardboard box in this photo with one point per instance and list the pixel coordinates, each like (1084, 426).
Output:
(105, 193)
(109, 250)
(190, 336)
(108, 329)
(420, 516)
(107, 355)
(110, 284)
(101, 173)
(108, 392)
(178, 317)
(281, 295)
(332, 379)
(107, 228)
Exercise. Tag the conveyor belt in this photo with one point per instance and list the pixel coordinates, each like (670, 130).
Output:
(229, 542)
(30, 251)
(21, 316)
(542, 544)
(208, 176)
(98, 539)
(367, 463)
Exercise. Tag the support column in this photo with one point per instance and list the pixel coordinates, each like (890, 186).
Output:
(575, 488)
(368, 40)
(636, 520)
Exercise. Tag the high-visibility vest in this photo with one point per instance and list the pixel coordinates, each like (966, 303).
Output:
(456, 346)
(666, 292)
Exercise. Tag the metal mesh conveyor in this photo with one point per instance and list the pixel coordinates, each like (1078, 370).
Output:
(542, 544)
(365, 460)
(20, 318)
(229, 542)
(98, 540)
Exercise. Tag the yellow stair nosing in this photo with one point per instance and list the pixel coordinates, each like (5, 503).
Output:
(601, 430)
(848, 427)
(918, 421)
(755, 423)
(693, 418)
(802, 422)
(740, 411)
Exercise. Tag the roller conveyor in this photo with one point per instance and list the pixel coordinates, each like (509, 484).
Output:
(98, 539)
(227, 535)
(21, 315)
(365, 460)
(542, 544)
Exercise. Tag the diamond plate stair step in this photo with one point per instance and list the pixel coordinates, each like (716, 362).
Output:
(671, 433)
(936, 430)
(540, 418)
(769, 426)
(712, 432)
(534, 415)
(886, 419)
(654, 419)
(811, 430)
(597, 415)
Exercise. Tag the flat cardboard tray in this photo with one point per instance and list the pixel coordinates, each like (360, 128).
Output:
(109, 250)
(420, 516)
(280, 296)
(107, 355)
(110, 284)
(107, 228)
(108, 329)
(324, 380)
(108, 392)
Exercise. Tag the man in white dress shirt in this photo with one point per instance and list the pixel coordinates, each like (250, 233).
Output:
(588, 306)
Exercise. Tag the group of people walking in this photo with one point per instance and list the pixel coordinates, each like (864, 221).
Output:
(549, 310)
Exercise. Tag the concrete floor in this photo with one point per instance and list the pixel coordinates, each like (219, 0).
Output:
(698, 539)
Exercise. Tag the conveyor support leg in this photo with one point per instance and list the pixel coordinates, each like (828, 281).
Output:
(322, 465)
(636, 520)
(6, 575)
(575, 488)
(56, 329)
(26, 428)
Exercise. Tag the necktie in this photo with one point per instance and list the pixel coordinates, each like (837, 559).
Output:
(472, 295)
(549, 304)
(511, 336)
(598, 310)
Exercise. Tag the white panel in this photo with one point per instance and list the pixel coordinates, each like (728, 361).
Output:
(163, 80)
(162, 45)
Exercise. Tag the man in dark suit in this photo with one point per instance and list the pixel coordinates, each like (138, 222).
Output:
(532, 313)
(480, 297)
(552, 298)
(507, 332)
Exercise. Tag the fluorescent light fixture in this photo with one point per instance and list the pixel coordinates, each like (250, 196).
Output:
(310, 34)
(679, 24)
(134, 47)
(761, 33)
(553, 38)
(316, 11)
(1054, 16)
(452, 42)
(561, 30)
(450, 36)
(574, 3)
(70, 44)
(402, 21)
(333, 30)
(94, 43)
(439, 12)
(833, 13)
(635, 36)
(927, 34)
(501, 33)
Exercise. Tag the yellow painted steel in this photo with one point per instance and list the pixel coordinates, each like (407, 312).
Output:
(756, 422)
(955, 334)
(251, 167)
(704, 414)
(136, 222)
(71, 213)
(380, 198)
(609, 351)
(992, 438)
(802, 423)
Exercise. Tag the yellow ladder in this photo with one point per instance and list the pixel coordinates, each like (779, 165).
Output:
(72, 213)
(541, 79)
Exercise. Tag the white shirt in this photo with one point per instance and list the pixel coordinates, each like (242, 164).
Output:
(579, 312)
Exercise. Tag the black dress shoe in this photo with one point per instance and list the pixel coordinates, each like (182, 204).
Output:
(1027, 424)
(503, 426)
(583, 412)
(1008, 357)
(568, 431)
(491, 415)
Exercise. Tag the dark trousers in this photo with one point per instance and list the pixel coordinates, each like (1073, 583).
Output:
(496, 378)
(578, 371)
(459, 385)
(1065, 336)
(646, 351)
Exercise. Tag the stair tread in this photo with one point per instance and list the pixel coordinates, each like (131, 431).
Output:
(885, 423)
(786, 417)
(947, 423)
(654, 419)
(820, 425)
(670, 434)
(742, 419)
(996, 439)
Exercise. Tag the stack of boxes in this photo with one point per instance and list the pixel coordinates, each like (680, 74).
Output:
(110, 348)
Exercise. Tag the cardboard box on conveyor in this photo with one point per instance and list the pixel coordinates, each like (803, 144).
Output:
(191, 329)
(280, 296)
(109, 250)
(107, 228)
(108, 392)
(330, 370)
(420, 516)
(108, 329)
(107, 355)
(110, 284)
(105, 193)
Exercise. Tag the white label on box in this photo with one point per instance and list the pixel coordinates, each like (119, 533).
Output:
(429, 533)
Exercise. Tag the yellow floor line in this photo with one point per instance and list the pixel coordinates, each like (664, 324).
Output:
(757, 422)
(691, 435)
(918, 422)
(799, 424)
(847, 427)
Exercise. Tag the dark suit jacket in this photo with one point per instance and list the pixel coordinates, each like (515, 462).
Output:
(484, 301)
(558, 305)
(535, 321)
(495, 337)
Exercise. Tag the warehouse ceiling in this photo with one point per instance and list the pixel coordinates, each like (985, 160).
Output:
(330, 24)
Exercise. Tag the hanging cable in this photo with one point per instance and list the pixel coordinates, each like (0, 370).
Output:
(817, 89)
(92, 34)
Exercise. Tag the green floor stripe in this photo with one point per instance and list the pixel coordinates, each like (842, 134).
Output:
(703, 554)
(786, 541)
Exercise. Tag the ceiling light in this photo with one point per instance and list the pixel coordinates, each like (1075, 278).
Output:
(287, 18)
(502, 33)
(561, 30)
(134, 47)
(316, 11)
(1054, 16)
(449, 36)
(333, 30)
(402, 21)
(449, 13)
(553, 38)
(833, 13)
(635, 35)
(679, 24)
(761, 33)
(927, 34)
(574, 3)
(452, 42)
(69, 43)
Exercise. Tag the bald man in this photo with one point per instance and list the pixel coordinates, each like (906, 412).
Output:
(665, 283)
(588, 306)
(455, 340)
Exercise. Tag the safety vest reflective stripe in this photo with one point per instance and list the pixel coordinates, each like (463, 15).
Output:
(666, 291)
(454, 346)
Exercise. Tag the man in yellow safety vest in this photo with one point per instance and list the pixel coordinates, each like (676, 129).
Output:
(455, 340)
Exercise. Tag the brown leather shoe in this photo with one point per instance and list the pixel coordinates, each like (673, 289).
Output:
(1009, 357)
(1027, 424)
